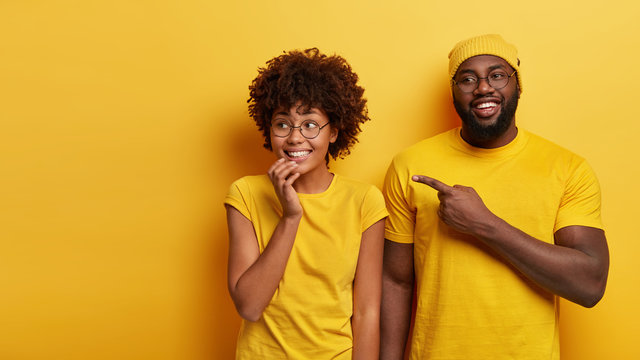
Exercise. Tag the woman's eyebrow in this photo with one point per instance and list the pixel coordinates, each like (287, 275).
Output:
(311, 111)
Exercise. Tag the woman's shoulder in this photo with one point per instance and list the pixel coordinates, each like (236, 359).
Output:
(252, 180)
(252, 183)
(355, 186)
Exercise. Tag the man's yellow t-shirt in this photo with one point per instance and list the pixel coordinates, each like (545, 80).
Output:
(309, 316)
(472, 304)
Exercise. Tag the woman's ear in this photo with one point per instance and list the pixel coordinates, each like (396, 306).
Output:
(334, 135)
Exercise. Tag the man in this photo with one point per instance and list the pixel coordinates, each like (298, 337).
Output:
(489, 256)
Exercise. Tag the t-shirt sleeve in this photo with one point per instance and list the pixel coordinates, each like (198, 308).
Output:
(373, 208)
(238, 197)
(400, 224)
(580, 204)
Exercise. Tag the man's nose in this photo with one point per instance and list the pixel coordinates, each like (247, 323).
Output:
(484, 87)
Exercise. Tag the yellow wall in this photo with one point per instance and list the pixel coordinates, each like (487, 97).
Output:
(122, 124)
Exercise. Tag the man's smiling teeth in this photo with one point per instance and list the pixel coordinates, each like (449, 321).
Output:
(486, 105)
(294, 154)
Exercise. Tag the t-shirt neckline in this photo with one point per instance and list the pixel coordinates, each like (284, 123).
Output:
(507, 150)
(327, 191)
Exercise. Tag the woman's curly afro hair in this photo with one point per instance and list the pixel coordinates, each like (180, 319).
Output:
(310, 79)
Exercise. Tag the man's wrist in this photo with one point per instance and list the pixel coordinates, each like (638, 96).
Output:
(488, 229)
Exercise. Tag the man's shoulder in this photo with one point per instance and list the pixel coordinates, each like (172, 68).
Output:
(543, 146)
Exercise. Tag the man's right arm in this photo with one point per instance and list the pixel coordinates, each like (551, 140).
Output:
(397, 297)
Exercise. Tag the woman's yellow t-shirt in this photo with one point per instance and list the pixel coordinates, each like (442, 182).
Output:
(309, 316)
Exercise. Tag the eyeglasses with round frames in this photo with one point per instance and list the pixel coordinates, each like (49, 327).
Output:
(309, 128)
(469, 83)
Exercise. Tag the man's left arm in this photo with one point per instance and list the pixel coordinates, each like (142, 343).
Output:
(575, 267)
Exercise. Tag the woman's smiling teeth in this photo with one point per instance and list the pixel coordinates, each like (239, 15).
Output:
(297, 154)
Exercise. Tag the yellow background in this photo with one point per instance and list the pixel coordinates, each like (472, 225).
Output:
(122, 124)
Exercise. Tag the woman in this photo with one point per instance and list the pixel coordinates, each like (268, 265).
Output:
(305, 244)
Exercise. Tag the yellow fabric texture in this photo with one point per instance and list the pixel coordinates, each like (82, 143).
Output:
(471, 303)
(490, 44)
(309, 316)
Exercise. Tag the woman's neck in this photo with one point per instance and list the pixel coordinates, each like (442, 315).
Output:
(313, 183)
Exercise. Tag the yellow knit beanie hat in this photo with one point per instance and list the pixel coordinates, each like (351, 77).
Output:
(491, 44)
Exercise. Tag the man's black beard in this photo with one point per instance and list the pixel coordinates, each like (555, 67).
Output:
(481, 133)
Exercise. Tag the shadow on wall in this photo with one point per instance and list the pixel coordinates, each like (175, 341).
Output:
(436, 115)
(246, 154)
(238, 154)
(447, 112)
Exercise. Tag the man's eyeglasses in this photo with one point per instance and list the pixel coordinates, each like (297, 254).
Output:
(469, 83)
(309, 128)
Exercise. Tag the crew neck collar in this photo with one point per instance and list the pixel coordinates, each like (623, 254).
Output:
(507, 150)
(323, 193)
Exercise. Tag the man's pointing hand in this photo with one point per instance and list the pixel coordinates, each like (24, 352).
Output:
(460, 206)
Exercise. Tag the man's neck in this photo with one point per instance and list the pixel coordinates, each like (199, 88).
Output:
(492, 143)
